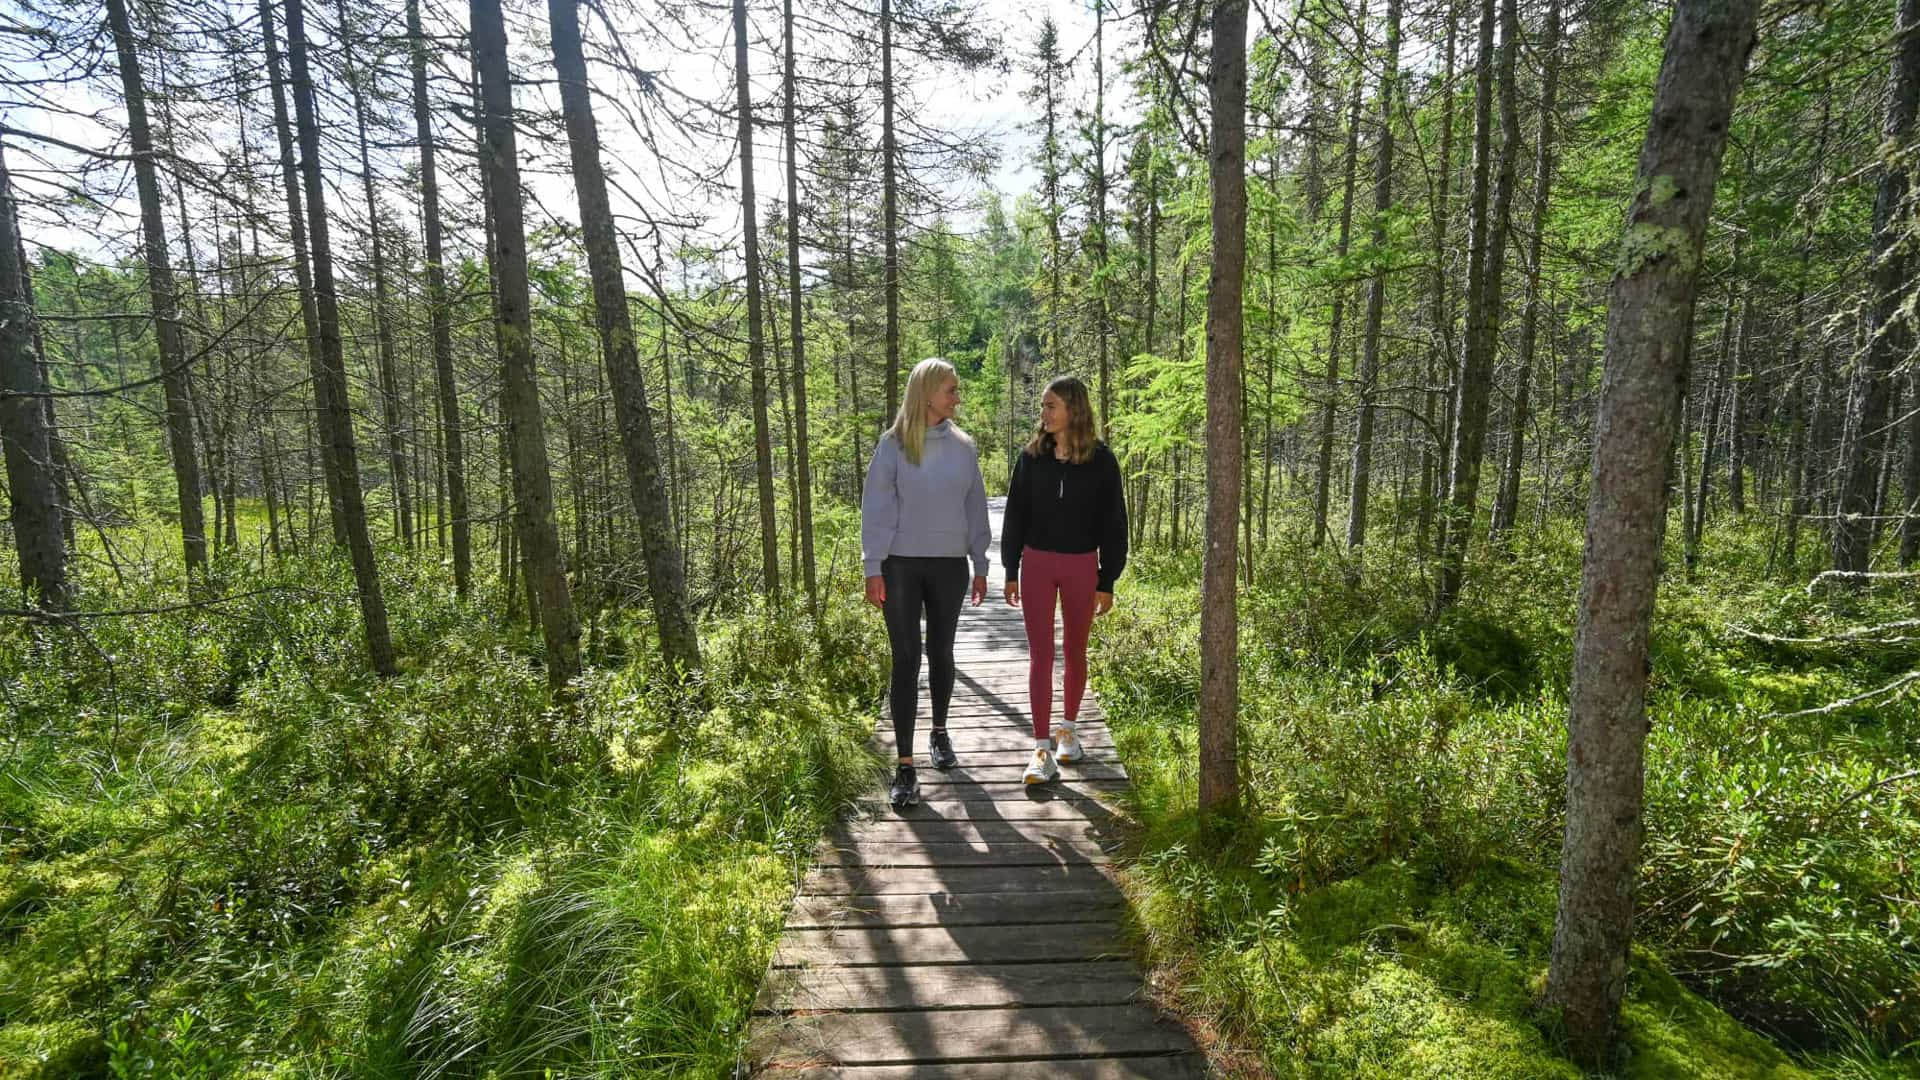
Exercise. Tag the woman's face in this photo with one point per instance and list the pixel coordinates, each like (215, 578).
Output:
(1053, 413)
(943, 402)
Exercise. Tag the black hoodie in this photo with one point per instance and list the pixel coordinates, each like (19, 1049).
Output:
(1057, 506)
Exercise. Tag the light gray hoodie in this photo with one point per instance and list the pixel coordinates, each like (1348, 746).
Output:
(936, 508)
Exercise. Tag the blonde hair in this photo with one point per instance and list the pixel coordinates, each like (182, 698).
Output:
(910, 424)
(1079, 435)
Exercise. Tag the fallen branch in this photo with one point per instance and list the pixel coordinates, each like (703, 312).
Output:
(1859, 635)
(1904, 680)
(1861, 575)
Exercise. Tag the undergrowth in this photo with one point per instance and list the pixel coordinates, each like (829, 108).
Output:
(1384, 906)
(225, 850)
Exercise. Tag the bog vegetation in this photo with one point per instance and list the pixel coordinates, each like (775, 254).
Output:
(434, 441)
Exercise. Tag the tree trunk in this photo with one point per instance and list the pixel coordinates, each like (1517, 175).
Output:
(653, 511)
(1648, 323)
(1376, 291)
(1506, 507)
(1865, 433)
(160, 288)
(382, 324)
(1098, 242)
(520, 390)
(1219, 616)
(454, 449)
(1440, 351)
(1487, 263)
(803, 464)
(336, 419)
(756, 349)
(35, 509)
(1910, 478)
(1323, 474)
(889, 197)
(303, 273)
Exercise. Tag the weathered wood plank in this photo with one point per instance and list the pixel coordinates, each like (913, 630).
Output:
(961, 853)
(967, 1035)
(934, 831)
(955, 909)
(867, 989)
(1008, 772)
(1009, 801)
(1178, 1067)
(993, 944)
(858, 881)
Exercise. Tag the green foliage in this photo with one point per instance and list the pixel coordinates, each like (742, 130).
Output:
(228, 852)
(1386, 905)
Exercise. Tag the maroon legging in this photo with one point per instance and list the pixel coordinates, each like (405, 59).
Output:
(1072, 578)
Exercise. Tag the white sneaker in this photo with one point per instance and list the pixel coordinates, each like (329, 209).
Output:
(1042, 770)
(1066, 745)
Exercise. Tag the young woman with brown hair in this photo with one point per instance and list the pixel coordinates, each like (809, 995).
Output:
(1064, 541)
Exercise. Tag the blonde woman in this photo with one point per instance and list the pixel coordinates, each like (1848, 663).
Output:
(923, 515)
(1065, 538)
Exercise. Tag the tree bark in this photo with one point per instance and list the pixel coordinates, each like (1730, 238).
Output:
(756, 347)
(520, 392)
(803, 463)
(32, 484)
(666, 584)
(1910, 478)
(1323, 474)
(454, 448)
(1219, 616)
(1506, 507)
(1488, 256)
(303, 272)
(1376, 291)
(336, 419)
(382, 323)
(1433, 455)
(160, 288)
(1650, 311)
(1871, 383)
(889, 200)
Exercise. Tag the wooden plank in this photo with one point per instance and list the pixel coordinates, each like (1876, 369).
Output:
(996, 944)
(1178, 1067)
(961, 853)
(863, 881)
(967, 1035)
(1009, 773)
(1007, 798)
(1090, 982)
(997, 740)
(924, 831)
(956, 909)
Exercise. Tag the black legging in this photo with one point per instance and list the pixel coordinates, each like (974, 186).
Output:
(938, 586)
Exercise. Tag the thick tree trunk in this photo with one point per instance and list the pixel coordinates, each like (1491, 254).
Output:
(166, 322)
(336, 420)
(802, 451)
(1910, 478)
(1376, 291)
(382, 322)
(756, 348)
(1506, 507)
(1650, 311)
(454, 444)
(646, 487)
(1219, 616)
(520, 393)
(32, 485)
(1865, 432)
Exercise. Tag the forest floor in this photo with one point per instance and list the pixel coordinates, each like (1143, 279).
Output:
(226, 850)
(1385, 905)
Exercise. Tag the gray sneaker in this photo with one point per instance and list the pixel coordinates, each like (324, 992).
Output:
(1066, 745)
(1042, 770)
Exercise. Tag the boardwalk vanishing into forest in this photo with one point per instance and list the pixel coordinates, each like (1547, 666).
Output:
(978, 933)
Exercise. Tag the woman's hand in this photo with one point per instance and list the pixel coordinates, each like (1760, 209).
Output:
(1102, 603)
(1013, 592)
(877, 591)
(979, 591)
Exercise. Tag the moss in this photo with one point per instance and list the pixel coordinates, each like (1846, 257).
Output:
(1671, 1031)
(45, 1051)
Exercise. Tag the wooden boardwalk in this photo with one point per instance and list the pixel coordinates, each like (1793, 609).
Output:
(977, 934)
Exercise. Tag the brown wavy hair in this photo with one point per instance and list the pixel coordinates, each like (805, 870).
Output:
(1080, 426)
